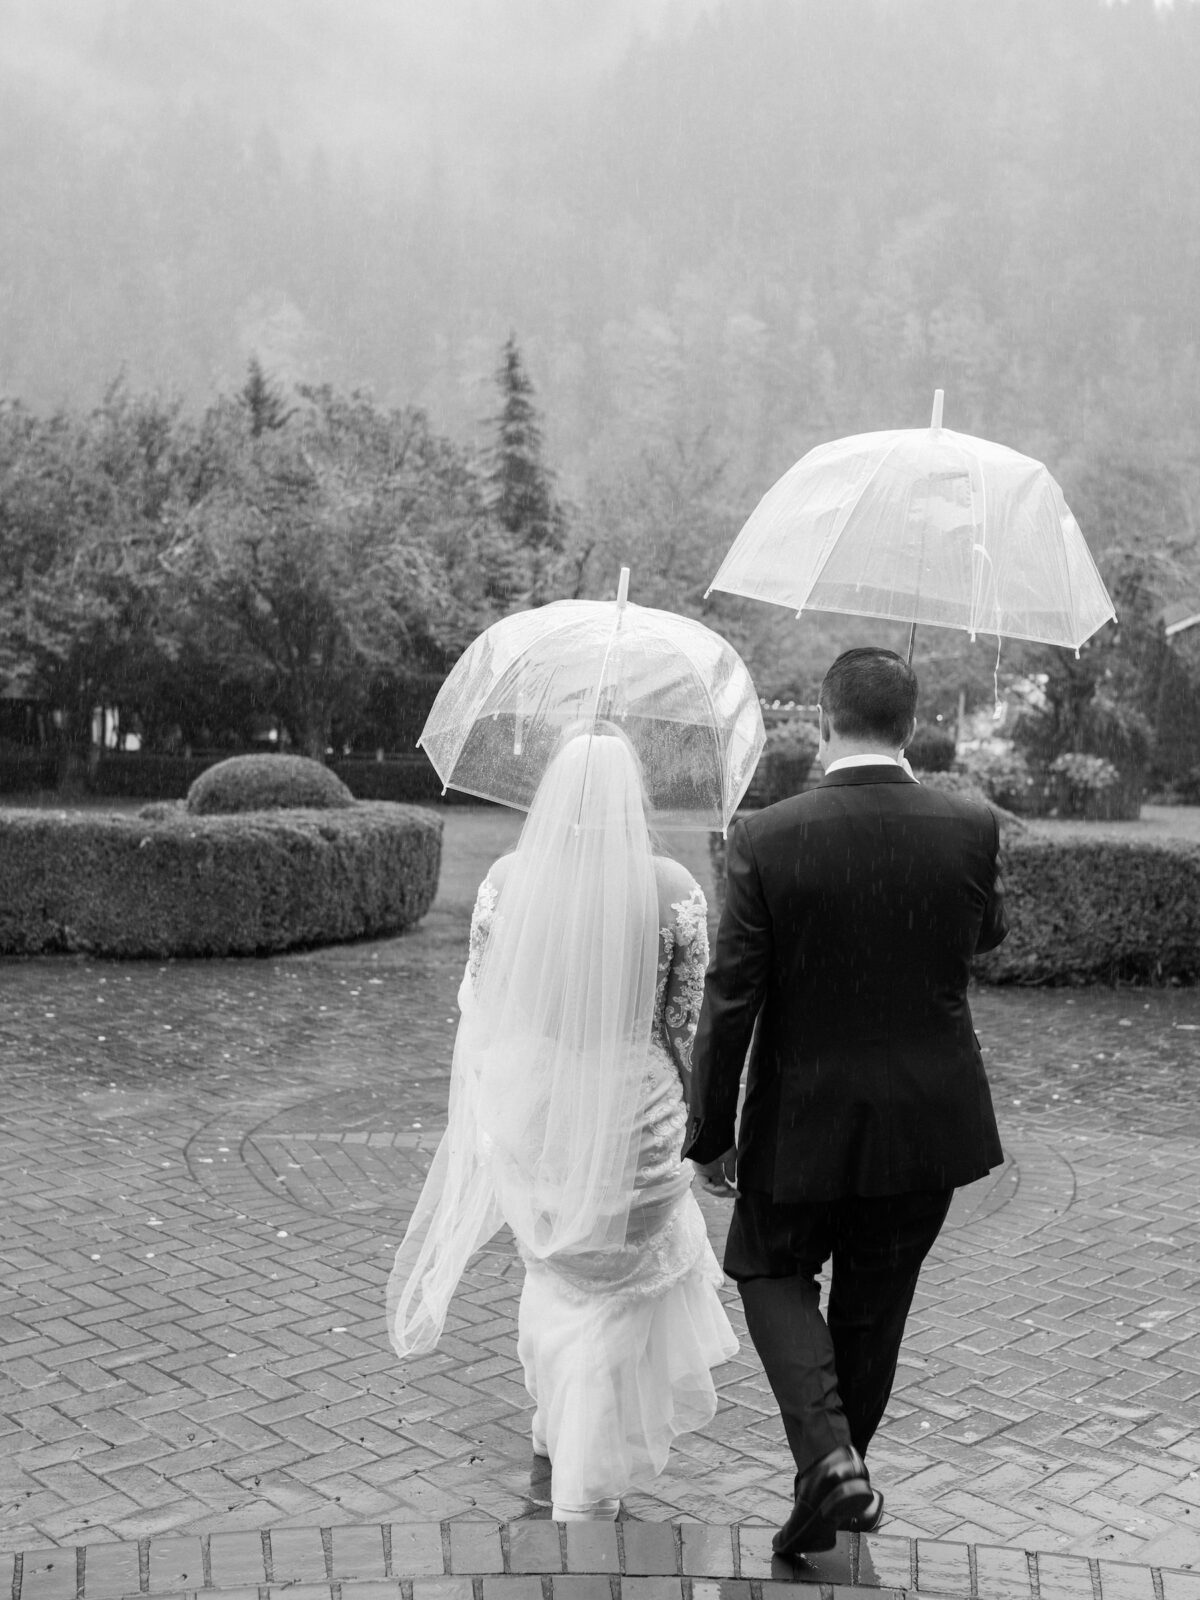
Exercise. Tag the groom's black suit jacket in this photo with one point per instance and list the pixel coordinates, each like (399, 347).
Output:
(851, 915)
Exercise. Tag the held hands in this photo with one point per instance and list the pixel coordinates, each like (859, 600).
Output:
(718, 1177)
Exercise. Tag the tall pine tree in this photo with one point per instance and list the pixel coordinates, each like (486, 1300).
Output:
(263, 403)
(522, 493)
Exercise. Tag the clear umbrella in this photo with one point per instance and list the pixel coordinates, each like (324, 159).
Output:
(677, 690)
(922, 525)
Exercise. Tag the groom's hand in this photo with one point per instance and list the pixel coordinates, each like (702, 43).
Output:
(719, 1176)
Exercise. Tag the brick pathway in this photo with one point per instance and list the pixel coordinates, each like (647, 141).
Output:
(206, 1167)
(532, 1560)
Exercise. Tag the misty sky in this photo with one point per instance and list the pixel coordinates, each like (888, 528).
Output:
(721, 231)
(391, 81)
(760, 222)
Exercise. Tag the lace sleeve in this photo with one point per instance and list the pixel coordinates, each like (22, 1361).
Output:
(481, 927)
(685, 981)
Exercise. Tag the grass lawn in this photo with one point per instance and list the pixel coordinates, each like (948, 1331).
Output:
(1155, 822)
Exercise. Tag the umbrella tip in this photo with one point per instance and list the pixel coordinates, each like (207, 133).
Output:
(623, 587)
(938, 396)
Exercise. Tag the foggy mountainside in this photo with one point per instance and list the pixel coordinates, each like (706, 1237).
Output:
(721, 232)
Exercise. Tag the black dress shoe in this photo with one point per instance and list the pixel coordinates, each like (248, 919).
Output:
(829, 1495)
(867, 1521)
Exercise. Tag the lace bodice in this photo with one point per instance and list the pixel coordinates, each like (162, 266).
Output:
(682, 960)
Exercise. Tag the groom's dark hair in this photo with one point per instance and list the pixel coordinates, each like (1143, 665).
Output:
(870, 693)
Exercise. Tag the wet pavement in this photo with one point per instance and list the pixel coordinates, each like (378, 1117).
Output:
(207, 1166)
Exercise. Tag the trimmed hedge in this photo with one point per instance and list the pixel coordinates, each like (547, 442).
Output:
(180, 885)
(407, 778)
(138, 775)
(22, 771)
(267, 783)
(1105, 910)
(1097, 911)
(785, 767)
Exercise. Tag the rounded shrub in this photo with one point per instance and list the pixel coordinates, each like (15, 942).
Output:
(266, 783)
(930, 750)
(179, 884)
(1006, 777)
(965, 783)
(785, 764)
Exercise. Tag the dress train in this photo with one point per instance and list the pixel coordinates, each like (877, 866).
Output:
(616, 1376)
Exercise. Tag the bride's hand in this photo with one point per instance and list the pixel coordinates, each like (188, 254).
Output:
(718, 1177)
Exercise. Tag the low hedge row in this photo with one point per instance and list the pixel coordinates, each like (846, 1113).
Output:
(1085, 910)
(25, 771)
(1097, 910)
(124, 776)
(173, 884)
(409, 778)
(405, 779)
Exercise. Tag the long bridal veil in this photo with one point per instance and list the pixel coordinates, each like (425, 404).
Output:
(550, 1056)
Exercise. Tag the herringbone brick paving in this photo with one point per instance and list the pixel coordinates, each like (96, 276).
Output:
(207, 1167)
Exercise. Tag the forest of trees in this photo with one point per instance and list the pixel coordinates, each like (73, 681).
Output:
(308, 562)
(293, 559)
(749, 229)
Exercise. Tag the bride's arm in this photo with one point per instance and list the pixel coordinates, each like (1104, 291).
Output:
(685, 982)
(481, 927)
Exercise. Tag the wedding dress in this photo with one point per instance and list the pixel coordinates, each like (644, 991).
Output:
(579, 1004)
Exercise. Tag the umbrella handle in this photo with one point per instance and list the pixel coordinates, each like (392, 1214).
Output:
(623, 589)
(935, 421)
(912, 635)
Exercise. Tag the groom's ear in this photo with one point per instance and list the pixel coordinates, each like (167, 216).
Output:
(826, 726)
(912, 733)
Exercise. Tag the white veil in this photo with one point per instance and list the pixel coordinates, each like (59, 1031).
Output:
(550, 1055)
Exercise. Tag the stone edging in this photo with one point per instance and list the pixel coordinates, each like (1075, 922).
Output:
(541, 1560)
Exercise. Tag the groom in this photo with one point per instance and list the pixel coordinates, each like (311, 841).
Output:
(851, 916)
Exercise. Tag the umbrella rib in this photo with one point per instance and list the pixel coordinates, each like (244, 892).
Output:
(844, 516)
(977, 597)
(714, 723)
(1070, 594)
(1066, 565)
(616, 628)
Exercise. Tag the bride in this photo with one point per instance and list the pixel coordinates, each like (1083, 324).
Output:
(566, 1118)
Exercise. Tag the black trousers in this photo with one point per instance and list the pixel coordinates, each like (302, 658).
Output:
(832, 1379)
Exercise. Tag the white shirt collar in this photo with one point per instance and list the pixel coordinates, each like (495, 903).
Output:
(861, 761)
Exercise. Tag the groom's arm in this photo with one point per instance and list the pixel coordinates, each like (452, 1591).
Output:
(733, 992)
(994, 927)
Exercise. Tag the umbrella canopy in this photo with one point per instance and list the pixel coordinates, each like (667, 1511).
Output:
(680, 693)
(923, 525)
